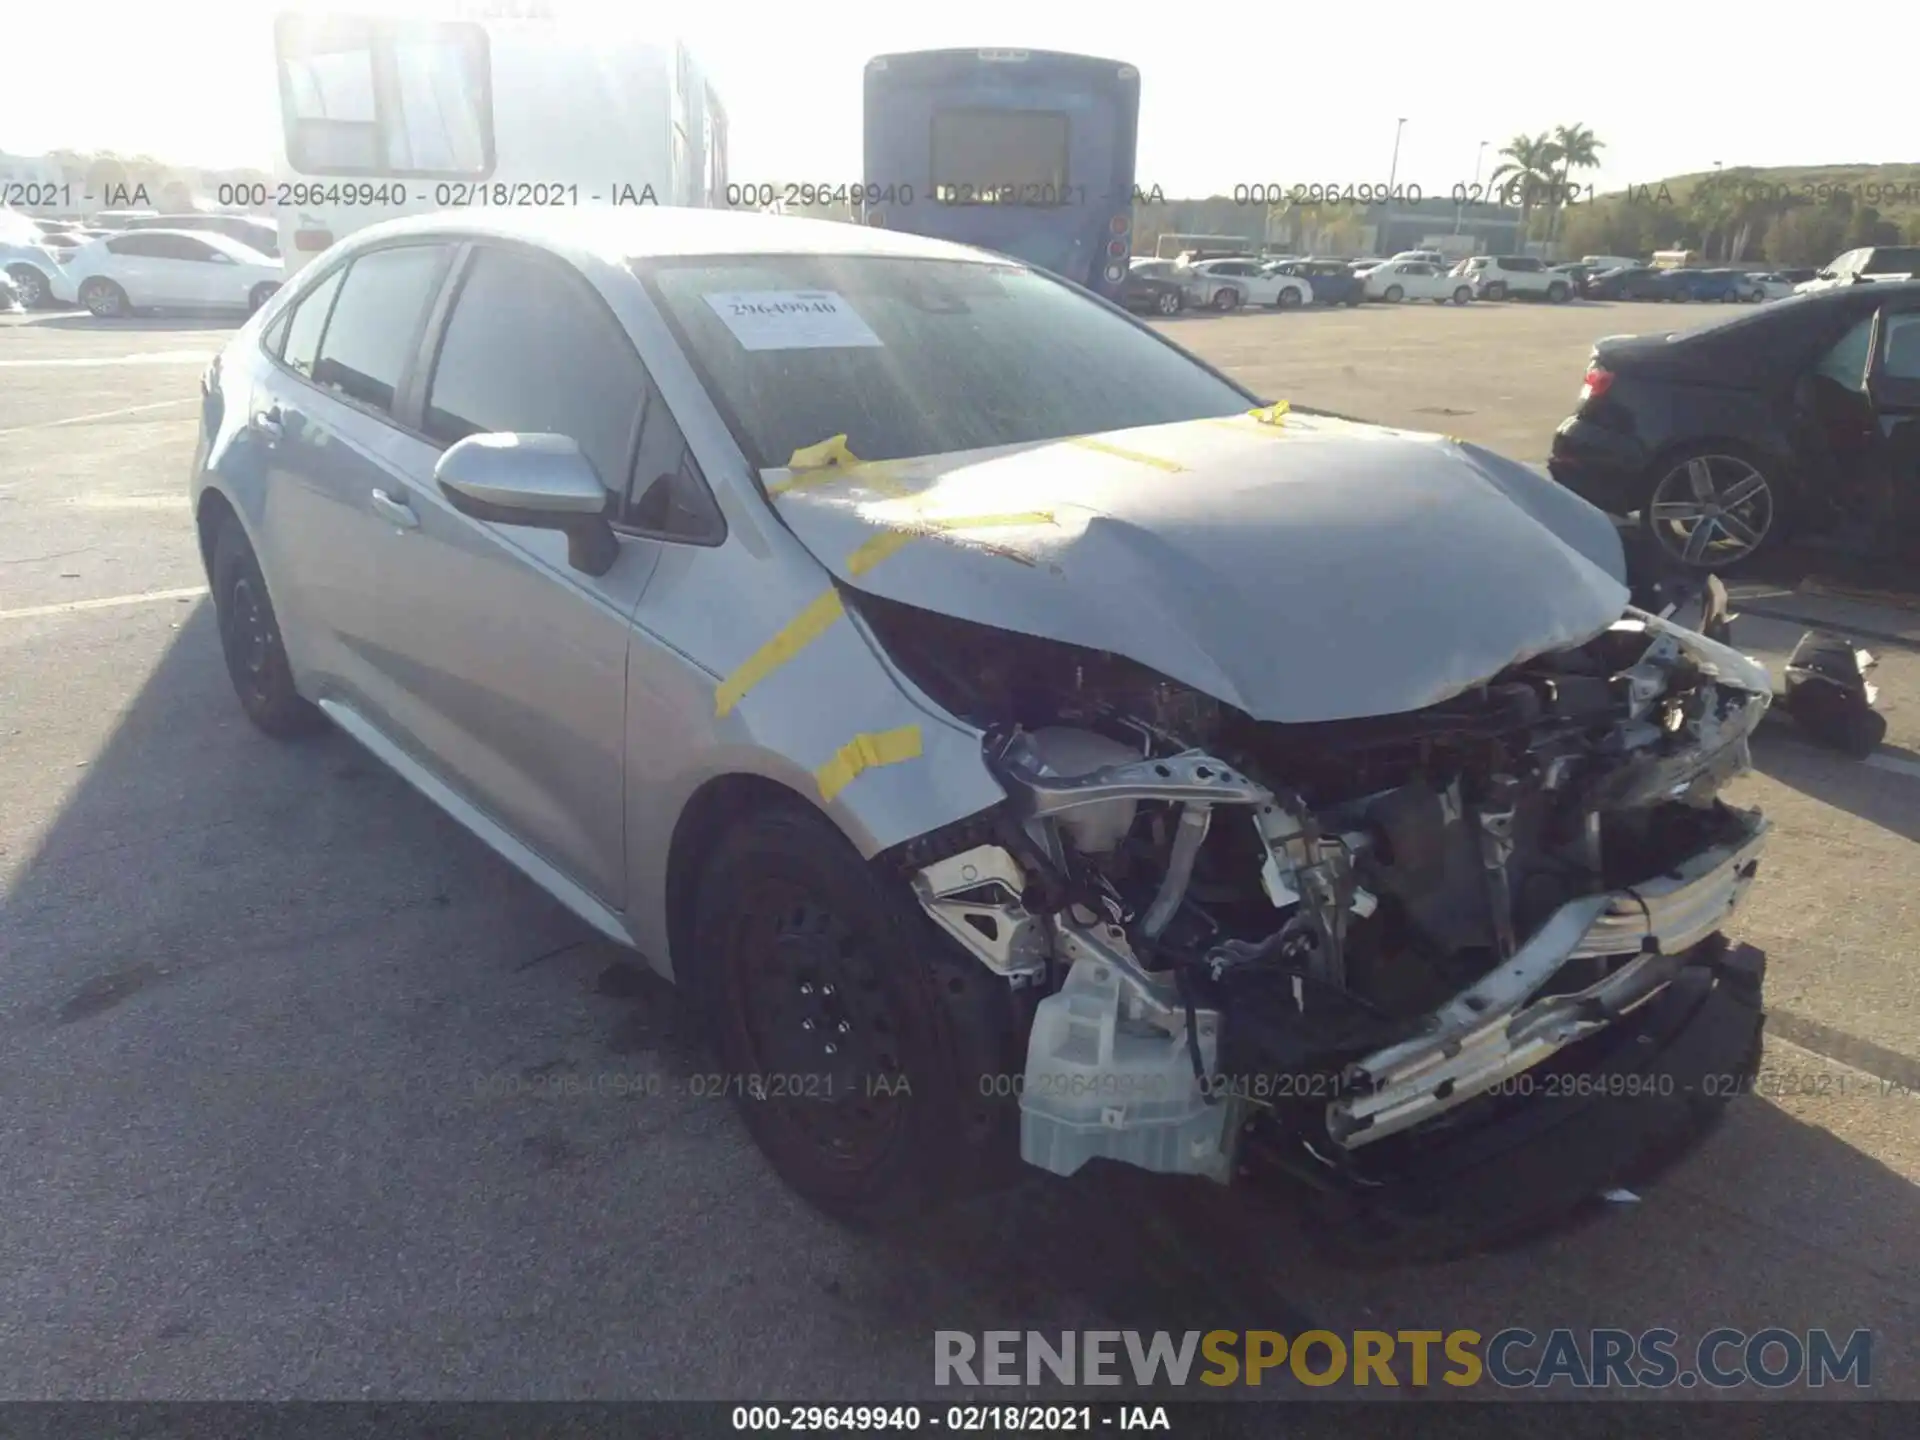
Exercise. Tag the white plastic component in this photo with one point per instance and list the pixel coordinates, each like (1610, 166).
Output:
(1100, 1084)
(1097, 828)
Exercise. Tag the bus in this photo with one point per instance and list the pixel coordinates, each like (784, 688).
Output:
(405, 114)
(1676, 259)
(1026, 152)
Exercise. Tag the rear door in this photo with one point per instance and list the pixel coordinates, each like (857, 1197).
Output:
(327, 414)
(131, 266)
(200, 273)
(506, 666)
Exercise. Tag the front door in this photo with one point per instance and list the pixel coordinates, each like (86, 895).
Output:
(505, 668)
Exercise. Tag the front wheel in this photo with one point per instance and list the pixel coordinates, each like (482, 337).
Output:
(250, 640)
(1712, 509)
(1462, 294)
(861, 1045)
(1168, 302)
(1288, 299)
(103, 298)
(1226, 299)
(1557, 294)
(1497, 290)
(1395, 294)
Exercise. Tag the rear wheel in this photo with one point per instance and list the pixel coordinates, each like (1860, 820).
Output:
(1557, 293)
(1288, 299)
(1711, 508)
(1226, 298)
(1497, 290)
(32, 285)
(1168, 302)
(861, 1045)
(1462, 294)
(103, 298)
(1395, 294)
(250, 640)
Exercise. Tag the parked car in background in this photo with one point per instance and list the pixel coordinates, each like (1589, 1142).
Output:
(1873, 262)
(1154, 287)
(1725, 437)
(29, 262)
(1500, 277)
(1600, 264)
(1229, 284)
(1706, 285)
(1577, 274)
(1635, 282)
(1365, 262)
(628, 601)
(1770, 285)
(1399, 280)
(167, 269)
(1332, 282)
(1798, 277)
(250, 230)
(1430, 257)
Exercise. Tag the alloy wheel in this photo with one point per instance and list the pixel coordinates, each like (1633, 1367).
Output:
(1712, 510)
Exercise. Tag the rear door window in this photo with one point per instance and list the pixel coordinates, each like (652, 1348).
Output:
(376, 323)
(307, 322)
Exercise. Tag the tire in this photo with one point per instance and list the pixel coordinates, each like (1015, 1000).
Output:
(1354, 300)
(1394, 295)
(1288, 299)
(33, 287)
(1169, 302)
(251, 644)
(1462, 294)
(811, 963)
(1675, 509)
(1681, 297)
(1557, 293)
(1497, 290)
(1226, 298)
(260, 294)
(104, 298)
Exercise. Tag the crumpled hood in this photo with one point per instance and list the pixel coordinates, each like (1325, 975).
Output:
(1307, 570)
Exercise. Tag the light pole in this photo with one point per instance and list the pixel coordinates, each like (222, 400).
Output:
(1460, 209)
(1393, 169)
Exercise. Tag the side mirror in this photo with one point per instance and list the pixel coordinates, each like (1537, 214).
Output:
(541, 481)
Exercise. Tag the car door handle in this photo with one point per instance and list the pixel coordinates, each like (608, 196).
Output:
(397, 511)
(268, 424)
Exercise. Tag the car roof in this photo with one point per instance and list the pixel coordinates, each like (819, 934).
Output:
(214, 238)
(646, 232)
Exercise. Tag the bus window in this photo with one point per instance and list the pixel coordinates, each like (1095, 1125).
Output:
(366, 99)
(978, 154)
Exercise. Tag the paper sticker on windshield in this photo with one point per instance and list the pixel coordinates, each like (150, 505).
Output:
(792, 320)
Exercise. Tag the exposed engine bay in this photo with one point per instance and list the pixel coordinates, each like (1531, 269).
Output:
(1333, 932)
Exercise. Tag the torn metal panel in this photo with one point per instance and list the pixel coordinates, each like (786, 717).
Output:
(1308, 571)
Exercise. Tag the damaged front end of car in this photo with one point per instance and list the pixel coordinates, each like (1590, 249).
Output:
(1375, 954)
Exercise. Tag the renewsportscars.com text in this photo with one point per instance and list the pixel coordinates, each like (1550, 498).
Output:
(1514, 1358)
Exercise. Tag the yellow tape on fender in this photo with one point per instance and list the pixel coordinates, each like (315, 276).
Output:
(798, 633)
(867, 752)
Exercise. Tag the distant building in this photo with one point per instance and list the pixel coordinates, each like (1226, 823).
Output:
(1492, 229)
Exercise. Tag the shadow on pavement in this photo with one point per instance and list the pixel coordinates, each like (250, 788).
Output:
(186, 320)
(244, 979)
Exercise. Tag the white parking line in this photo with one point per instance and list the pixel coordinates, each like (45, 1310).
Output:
(99, 415)
(107, 602)
(1896, 765)
(144, 357)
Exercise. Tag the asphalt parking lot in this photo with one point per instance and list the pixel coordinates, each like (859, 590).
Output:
(278, 1042)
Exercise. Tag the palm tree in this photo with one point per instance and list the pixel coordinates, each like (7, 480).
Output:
(1578, 147)
(1527, 162)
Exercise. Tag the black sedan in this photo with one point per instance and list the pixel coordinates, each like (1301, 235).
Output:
(1333, 281)
(1154, 286)
(1794, 416)
(1633, 282)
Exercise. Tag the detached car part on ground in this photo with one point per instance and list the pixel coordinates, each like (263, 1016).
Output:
(1244, 791)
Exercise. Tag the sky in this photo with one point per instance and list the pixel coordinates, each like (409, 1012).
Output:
(1230, 95)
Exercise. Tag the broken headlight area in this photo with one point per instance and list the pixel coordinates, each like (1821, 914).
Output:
(1326, 935)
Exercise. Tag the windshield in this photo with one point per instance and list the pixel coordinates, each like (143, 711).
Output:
(919, 357)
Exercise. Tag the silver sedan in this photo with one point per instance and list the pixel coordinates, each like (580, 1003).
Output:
(1023, 743)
